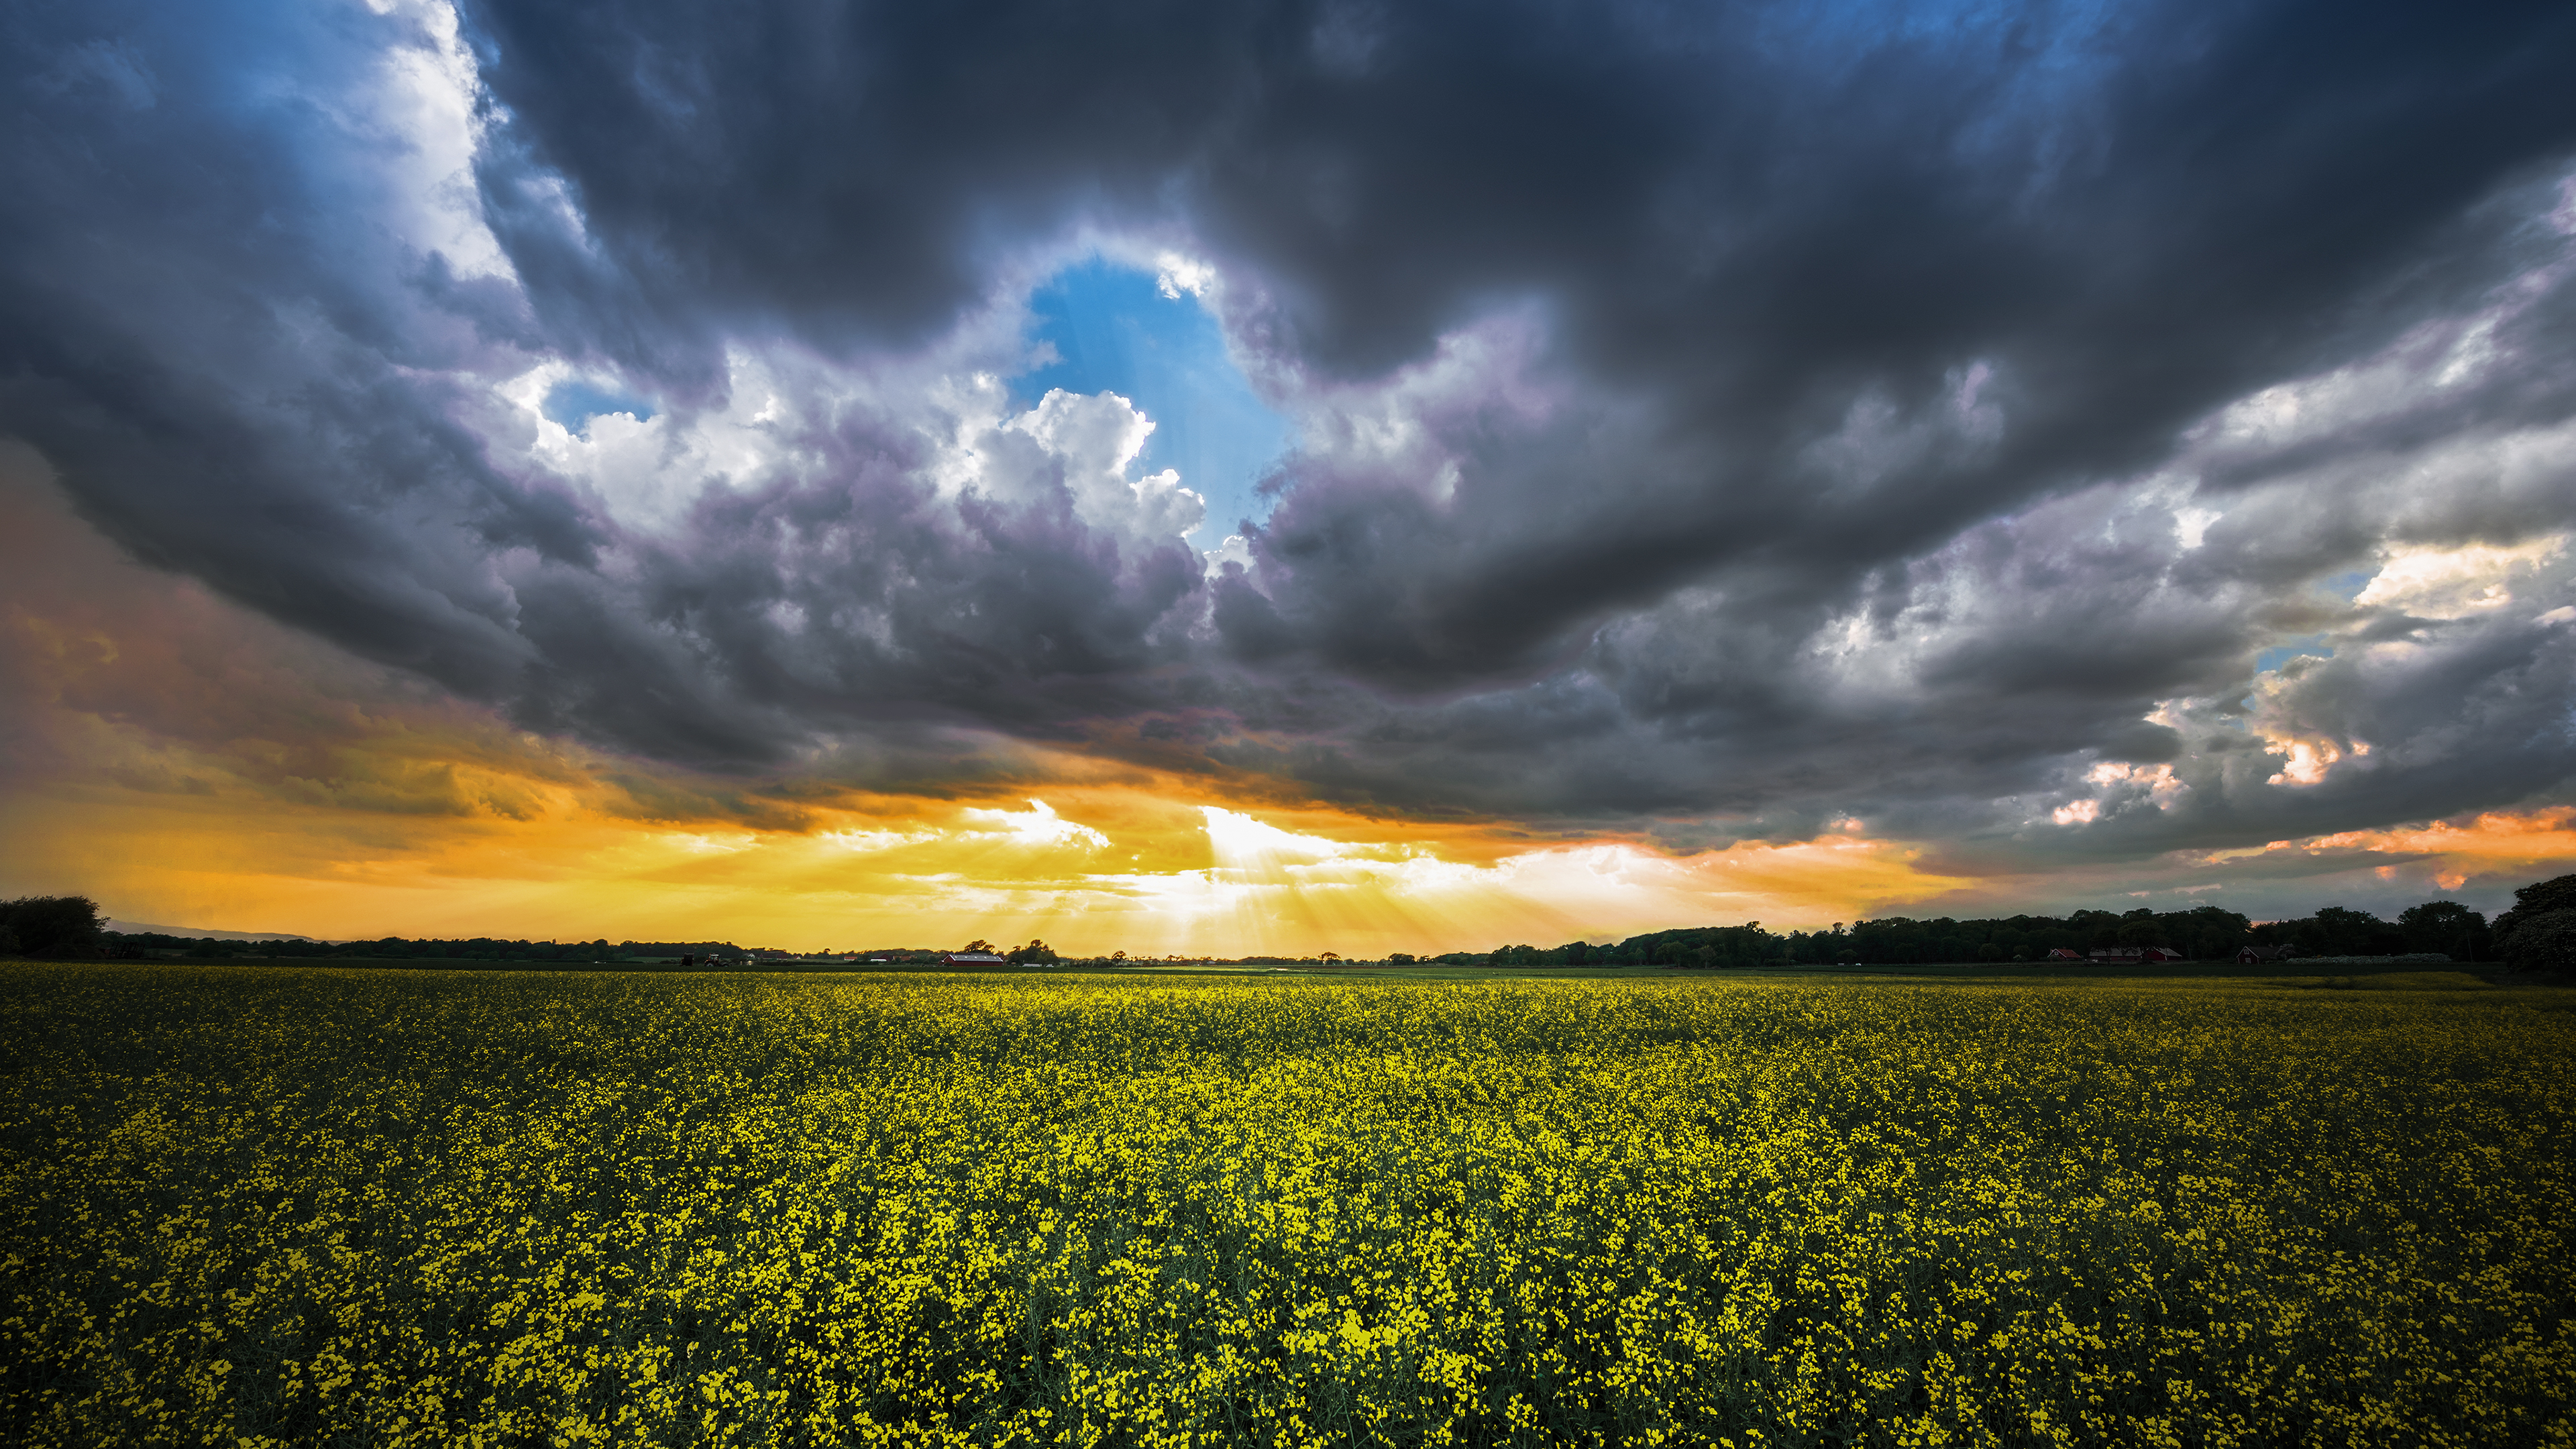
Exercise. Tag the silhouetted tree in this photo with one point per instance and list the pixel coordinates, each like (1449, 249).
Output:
(2545, 942)
(2540, 898)
(2141, 928)
(2539, 933)
(2445, 926)
(51, 925)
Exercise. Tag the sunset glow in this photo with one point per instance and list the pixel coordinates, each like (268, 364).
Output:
(447, 490)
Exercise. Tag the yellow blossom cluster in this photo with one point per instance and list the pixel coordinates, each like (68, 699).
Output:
(251, 1206)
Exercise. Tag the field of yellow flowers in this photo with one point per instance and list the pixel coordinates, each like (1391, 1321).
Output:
(244, 1205)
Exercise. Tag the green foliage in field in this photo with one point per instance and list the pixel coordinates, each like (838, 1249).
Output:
(296, 1206)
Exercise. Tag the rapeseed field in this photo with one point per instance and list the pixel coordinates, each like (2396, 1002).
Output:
(248, 1206)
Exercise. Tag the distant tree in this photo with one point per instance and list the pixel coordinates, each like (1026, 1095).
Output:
(1399, 958)
(2340, 931)
(2335, 931)
(1036, 952)
(2093, 928)
(2543, 942)
(973, 946)
(2445, 926)
(2540, 898)
(2207, 933)
(52, 925)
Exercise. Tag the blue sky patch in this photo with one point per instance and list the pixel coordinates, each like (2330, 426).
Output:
(573, 402)
(2280, 654)
(1113, 330)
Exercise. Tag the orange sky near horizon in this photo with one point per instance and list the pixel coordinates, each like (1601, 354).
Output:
(186, 762)
(1221, 883)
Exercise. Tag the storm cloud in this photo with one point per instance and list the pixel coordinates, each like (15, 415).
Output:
(2049, 431)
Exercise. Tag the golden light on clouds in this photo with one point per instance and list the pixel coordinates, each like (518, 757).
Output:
(1210, 880)
(187, 762)
(2293, 877)
(2530, 841)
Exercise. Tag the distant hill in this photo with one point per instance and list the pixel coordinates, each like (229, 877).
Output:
(200, 933)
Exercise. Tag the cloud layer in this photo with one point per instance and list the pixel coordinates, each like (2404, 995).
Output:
(2049, 433)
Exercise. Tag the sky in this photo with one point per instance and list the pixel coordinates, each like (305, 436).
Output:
(1280, 477)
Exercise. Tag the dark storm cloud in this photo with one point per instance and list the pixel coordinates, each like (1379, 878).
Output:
(217, 357)
(1760, 413)
(1746, 216)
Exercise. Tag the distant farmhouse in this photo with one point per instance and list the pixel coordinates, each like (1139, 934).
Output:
(973, 958)
(2117, 955)
(2258, 955)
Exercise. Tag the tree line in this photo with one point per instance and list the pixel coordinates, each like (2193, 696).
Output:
(2538, 934)
(70, 926)
(2203, 933)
